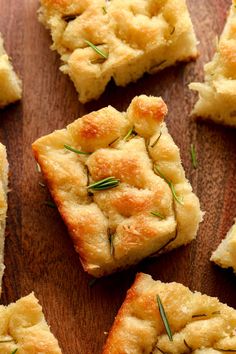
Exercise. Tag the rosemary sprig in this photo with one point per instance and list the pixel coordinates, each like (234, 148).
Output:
(70, 148)
(111, 240)
(164, 319)
(193, 156)
(187, 346)
(201, 315)
(103, 184)
(129, 134)
(170, 183)
(96, 49)
(156, 141)
(154, 213)
(92, 282)
(50, 204)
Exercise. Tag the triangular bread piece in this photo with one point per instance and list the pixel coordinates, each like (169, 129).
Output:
(225, 254)
(99, 40)
(145, 206)
(217, 99)
(3, 204)
(23, 329)
(10, 84)
(196, 323)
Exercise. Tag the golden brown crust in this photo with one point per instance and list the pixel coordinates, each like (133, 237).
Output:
(198, 322)
(217, 95)
(125, 212)
(23, 327)
(10, 84)
(137, 36)
(225, 254)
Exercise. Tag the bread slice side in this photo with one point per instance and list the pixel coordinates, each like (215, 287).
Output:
(217, 95)
(10, 84)
(198, 323)
(225, 254)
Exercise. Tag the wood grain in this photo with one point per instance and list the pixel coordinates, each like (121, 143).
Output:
(39, 253)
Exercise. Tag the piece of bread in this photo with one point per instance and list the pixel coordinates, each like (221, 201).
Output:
(199, 323)
(3, 204)
(135, 36)
(225, 254)
(217, 95)
(115, 228)
(24, 330)
(10, 84)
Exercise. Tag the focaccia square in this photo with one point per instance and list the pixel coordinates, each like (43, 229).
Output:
(145, 205)
(131, 37)
(3, 204)
(24, 330)
(197, 323)
(10, 84)
(225, 254)
(217, 95)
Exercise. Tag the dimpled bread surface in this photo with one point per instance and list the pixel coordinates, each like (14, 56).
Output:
(23, 329)
(217, 95)
(137, 36)
(200, 324)
(115, 228)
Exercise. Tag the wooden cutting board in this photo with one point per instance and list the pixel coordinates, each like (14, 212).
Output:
(39, 252)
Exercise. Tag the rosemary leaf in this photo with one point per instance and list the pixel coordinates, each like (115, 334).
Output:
(70, 148)
(154, 213)
(69, 18)
(42, 185)
(96, 49)
(156, 141)
(160, 350)
(37, 167)
(104, 184)
(178, 200)
(104, 10)
(201, 315)
(14, 351)
(164, 318)
(92, 282)
(187, 346)
(193, 156)
(50, 204)
(129, 134)
(111, 240)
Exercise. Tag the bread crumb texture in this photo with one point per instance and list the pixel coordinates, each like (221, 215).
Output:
(115, 228)
(217, 95)
(225, 254)
(23, 327)
(137, 36)
(200, 324)
(10, 84)
(3, 204)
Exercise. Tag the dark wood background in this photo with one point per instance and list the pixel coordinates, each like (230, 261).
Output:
(39, 253)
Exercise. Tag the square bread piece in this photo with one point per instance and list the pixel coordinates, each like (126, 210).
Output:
(3, 204)
(10, 84)
(199, 323)
(133, 37)
(113, 228)
(24, 330)
(225, 254)
(217, 95)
